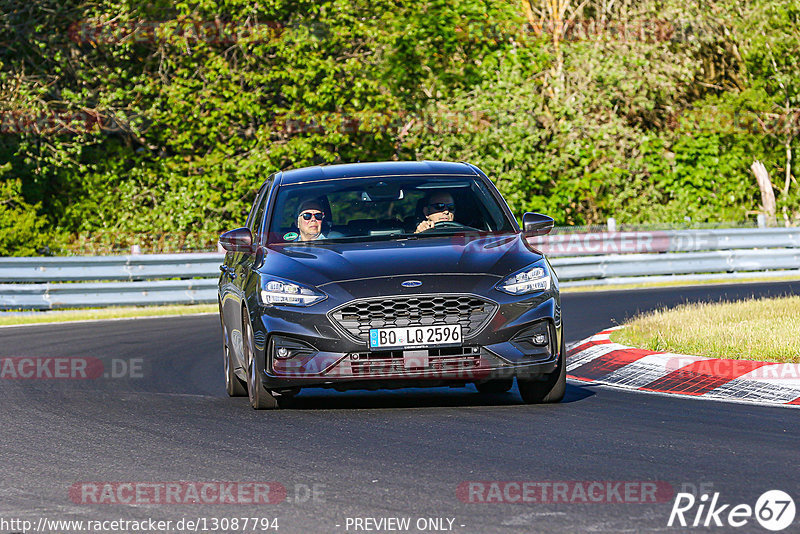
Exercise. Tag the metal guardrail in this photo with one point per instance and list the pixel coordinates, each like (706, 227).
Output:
(143, 293)
(594, 259)
(133, 267)
(675, 263)
(593, 244)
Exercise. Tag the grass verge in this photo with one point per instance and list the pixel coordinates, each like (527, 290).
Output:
(756, 329)
(102, 313)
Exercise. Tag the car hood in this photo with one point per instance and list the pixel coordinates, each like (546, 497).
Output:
(321, 264)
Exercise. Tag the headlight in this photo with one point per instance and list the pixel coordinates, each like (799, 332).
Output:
(529, 280)
(288, 293)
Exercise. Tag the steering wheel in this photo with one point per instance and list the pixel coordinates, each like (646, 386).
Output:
(450, 225)
(447, 224)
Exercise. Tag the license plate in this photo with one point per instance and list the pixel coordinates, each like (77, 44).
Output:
(415, 336)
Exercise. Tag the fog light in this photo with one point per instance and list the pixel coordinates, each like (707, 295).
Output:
(282, 348)
(539, 339)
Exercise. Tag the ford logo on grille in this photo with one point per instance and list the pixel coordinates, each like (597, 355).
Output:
(411, 283)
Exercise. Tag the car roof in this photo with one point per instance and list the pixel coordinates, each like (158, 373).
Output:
(383, 169)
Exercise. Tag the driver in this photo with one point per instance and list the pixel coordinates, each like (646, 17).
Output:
(439, 207)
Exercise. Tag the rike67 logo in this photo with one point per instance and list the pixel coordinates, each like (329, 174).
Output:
(774, 510)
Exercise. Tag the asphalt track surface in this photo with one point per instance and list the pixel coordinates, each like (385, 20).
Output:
(373, 454)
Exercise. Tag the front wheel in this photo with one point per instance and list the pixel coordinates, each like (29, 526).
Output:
(549, 390)
(260, 399)
(233, 386)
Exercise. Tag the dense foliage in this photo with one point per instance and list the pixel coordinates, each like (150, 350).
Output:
(154, 122)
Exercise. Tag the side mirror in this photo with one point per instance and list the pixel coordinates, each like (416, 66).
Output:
(238, 240)
(534, 224)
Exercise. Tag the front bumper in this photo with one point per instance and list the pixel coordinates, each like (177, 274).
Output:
(322, 354)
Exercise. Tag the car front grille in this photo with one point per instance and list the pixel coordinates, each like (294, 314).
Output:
(440, 361)
(359, 316)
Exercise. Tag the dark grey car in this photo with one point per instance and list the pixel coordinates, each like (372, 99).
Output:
(388, 275)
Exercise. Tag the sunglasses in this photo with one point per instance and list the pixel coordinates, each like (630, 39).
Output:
(307, 216)
(441, 206)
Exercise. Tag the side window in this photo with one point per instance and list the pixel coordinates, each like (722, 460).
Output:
(259, 208)
(251, 217)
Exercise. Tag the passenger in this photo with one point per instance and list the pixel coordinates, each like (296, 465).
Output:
(439, 207)
(310, 215)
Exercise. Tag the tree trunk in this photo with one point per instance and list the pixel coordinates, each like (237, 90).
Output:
(767, 192)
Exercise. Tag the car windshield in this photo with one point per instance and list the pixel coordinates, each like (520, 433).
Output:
(384, 208)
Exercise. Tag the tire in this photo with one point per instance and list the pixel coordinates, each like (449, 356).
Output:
(499, 385)
(549, 390)
(260, 399)
(233, 385)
